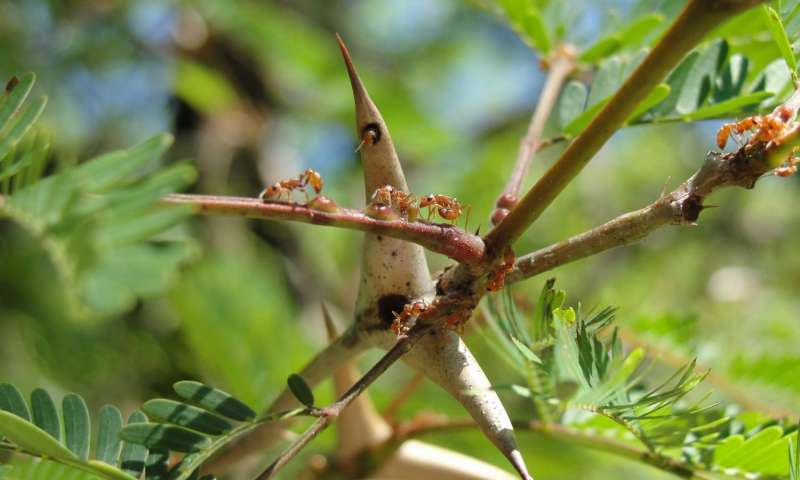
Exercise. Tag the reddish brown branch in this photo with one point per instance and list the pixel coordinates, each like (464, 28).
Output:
(446, 239)
(561, 63)
(682, 206)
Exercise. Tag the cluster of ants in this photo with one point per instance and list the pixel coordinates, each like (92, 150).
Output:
(309, 178)
(405, 320)
(764, 128)
(389, 203)
(386, 203)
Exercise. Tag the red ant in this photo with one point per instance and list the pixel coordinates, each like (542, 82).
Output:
(400, 325)
(405, 203)
(790, 167)
(286, 187)
(768, 127)
(370, 135)
(498, 276)
(447, 207)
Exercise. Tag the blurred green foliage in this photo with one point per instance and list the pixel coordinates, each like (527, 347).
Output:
(255, 91)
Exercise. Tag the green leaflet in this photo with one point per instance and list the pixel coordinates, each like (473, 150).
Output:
(527, 19)
(764, 452)
(32, 438)
(572, 102)
(77, 431)
(10, 102)
(676, 81)
(697, 84)
(526, 352)
(656, 96)
(300, 389)
(13, 133)
(773, 21)
(165, 437)
(40, 437)
(132, 457)
(214, 400)
(11, 400)
(108, 441)
(728, 106)
(186, 416)
(630, 36)
(580, 122)
(45, 415)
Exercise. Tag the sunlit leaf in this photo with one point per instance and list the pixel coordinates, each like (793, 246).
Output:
(775, 26)
(728, 106)
(32, 438)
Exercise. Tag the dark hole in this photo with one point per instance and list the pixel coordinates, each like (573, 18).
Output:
(372, 130)
(692, 207)
(388, 304)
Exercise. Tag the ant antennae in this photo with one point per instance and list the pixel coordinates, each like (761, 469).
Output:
(360, 145)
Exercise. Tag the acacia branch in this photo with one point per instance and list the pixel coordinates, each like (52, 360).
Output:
(437, 237)
(562, 63)
(697, 19)
(680, 207)
(403, 345)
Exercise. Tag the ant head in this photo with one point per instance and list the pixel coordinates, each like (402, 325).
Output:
(371, 134)
(274, 189)
(427, 200)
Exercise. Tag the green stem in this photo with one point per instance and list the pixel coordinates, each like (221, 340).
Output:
(697, 19)
(581, 439)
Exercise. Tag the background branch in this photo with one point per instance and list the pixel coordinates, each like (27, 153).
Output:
(441, 238)
(562, 63)
(697, 19)
(572, 436)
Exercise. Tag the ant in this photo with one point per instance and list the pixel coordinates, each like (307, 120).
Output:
(457, 322)
(406, 203)
(448, 208)
(790, 167)
(498, 276)
(370, 135)
(400, 325)
(286, 187)
(768, 127)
